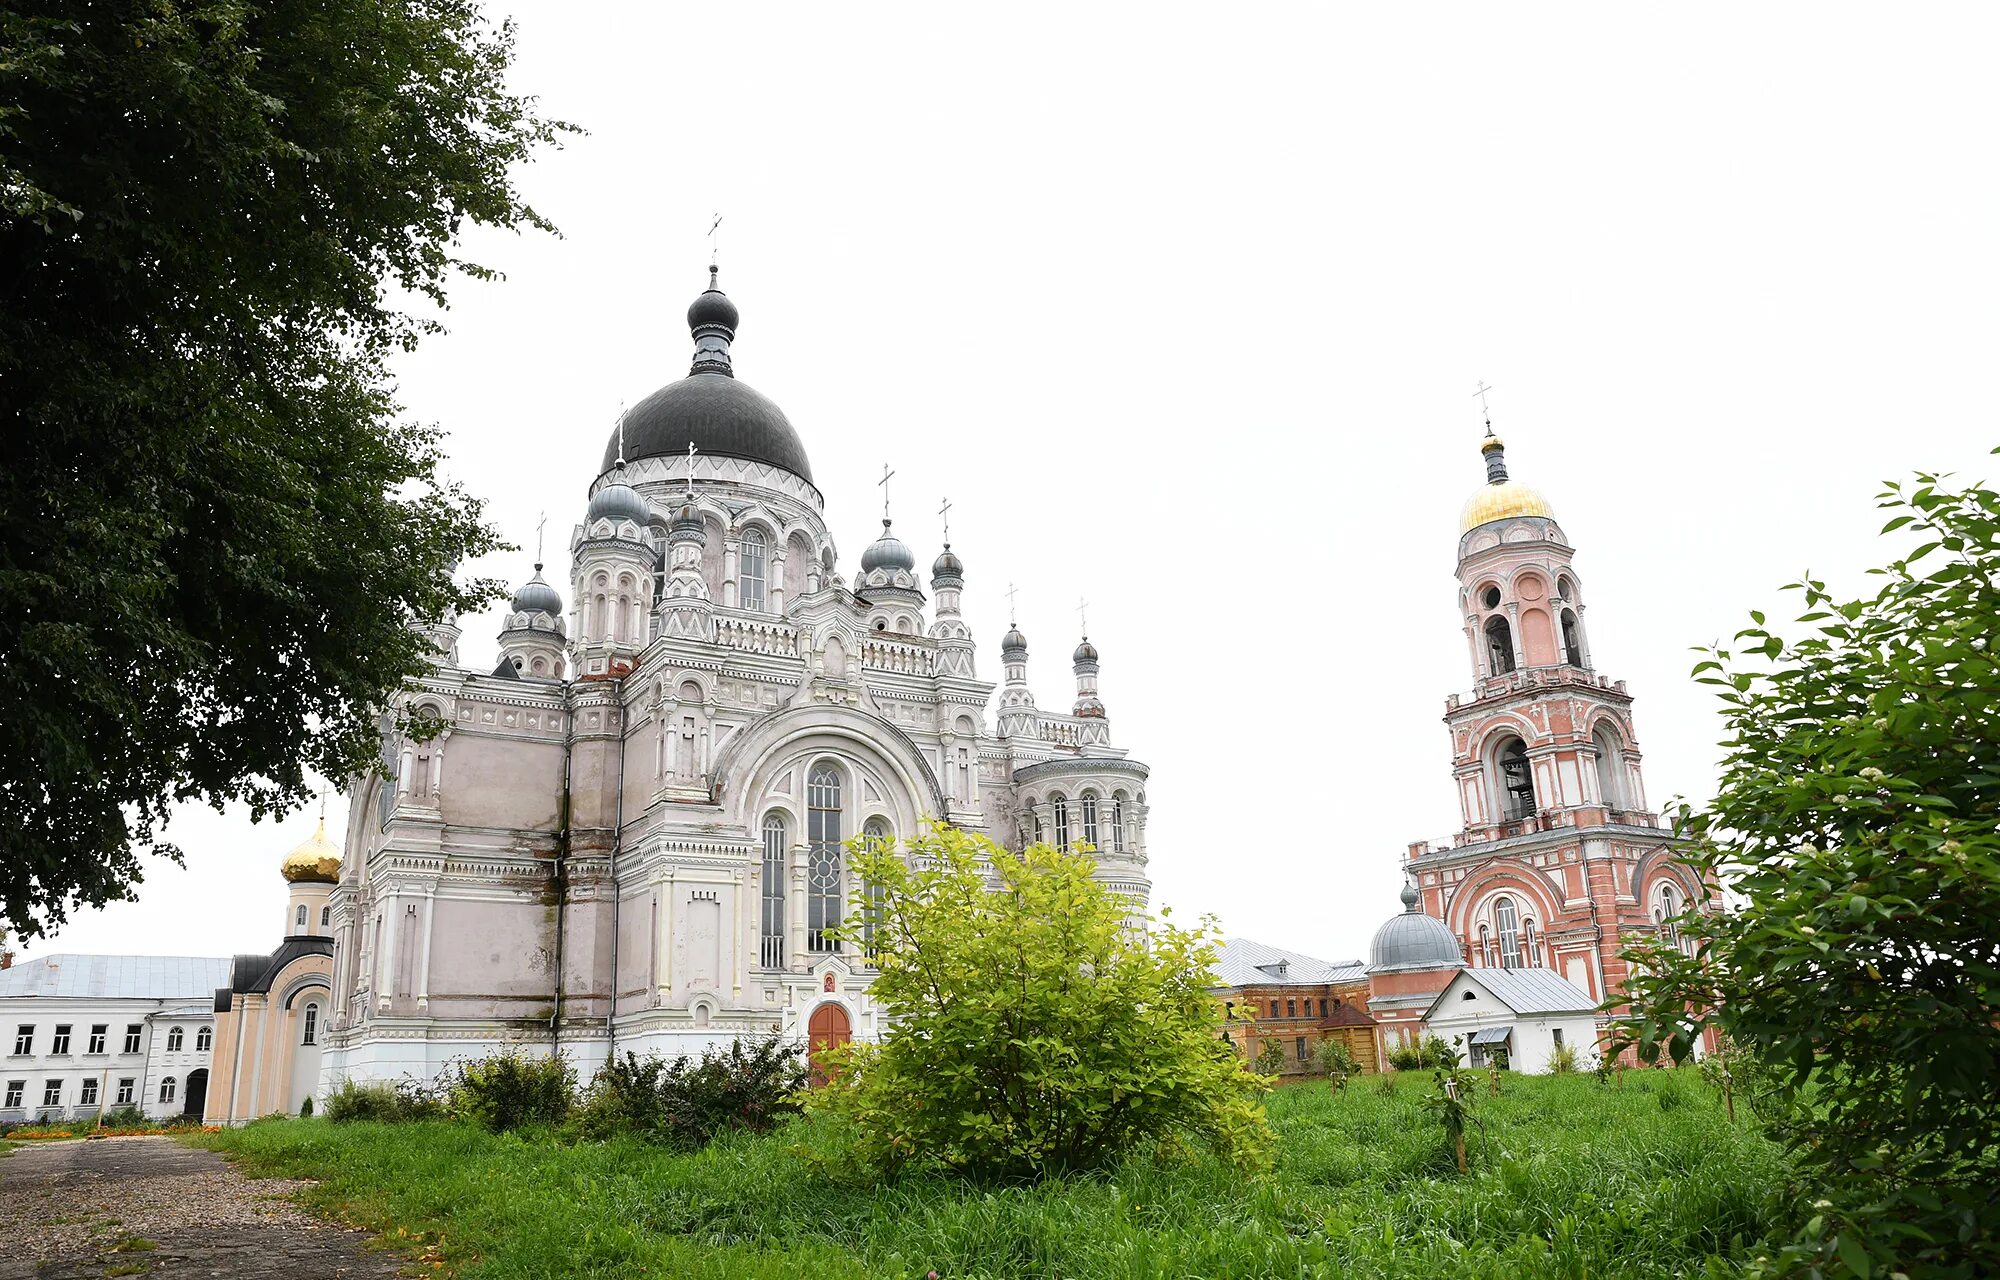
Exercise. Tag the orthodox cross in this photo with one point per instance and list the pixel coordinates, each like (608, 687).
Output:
(538, 539)
(621, 433)
(714, 240)
(884, 482)
(1010, 604)
(1082, 617)
(322, 807)
(690, 474)
(1484, 412)
(945, 511)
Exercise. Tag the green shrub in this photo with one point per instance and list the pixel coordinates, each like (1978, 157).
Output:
(384, 1101)
(512, 1089)
(748, 1085)
(1438, 1055)
(1563, 1060)
(1271, 1058)
(1406, 1057)
(1032, 1031)
(306, 1108)
(1336, 1062)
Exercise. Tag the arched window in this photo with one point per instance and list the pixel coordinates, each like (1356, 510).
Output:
(1610, 768)
(299, 922)
(1667, 904)
(1090, 820)
(1508, 924)
(771, 940)
(1572, 648)
(326, 916)
(203, 1039)
(877, 832)
(823, 912)
(167, 1089)
(750, 569)
(175, 1036)
(1038, 828)
(1060, 806)
(1118, 822)
(1528, 943)
(1517, 781)
(311, 1021)
(1499, 647)
(1485, 947)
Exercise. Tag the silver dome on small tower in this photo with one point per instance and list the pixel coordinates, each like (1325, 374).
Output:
(1412, 941)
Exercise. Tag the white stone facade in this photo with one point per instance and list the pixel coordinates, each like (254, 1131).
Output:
(639, 851)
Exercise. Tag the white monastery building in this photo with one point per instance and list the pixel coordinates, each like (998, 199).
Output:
(628, 834)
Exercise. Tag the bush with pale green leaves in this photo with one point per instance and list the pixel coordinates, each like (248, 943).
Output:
(1031, 1031)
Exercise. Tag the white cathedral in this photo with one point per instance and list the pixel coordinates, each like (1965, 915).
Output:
(629, 834)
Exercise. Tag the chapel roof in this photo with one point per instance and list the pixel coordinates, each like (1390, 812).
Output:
(68, 975)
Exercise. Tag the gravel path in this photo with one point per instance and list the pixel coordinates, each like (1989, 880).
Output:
(91, 1208)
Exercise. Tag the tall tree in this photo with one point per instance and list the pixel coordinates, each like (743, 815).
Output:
(215, 534)
(1857, 825)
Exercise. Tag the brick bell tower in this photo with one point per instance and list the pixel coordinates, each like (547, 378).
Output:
(1559, 861)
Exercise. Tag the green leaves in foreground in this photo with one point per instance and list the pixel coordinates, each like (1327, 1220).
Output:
(1857, 827)
(1032, 1030)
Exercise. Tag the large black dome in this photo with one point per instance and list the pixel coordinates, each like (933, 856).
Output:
(709, 407)
(721, 416)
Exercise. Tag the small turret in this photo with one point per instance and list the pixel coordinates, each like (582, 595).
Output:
(1084, 664)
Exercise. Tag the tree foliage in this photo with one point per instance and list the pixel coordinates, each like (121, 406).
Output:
(1031, 1032)
(214, 533)
(1858, 821)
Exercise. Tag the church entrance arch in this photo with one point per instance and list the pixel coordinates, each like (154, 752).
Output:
(829, 1026)
(197, 1094)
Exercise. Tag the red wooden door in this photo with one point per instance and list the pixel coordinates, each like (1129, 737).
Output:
(828, 1027)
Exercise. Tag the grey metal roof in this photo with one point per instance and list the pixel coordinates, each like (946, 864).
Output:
(1527, 990)
(1414, 941)
(1242, 962)
(1491, 1035)
(68, 975)
(720, 416)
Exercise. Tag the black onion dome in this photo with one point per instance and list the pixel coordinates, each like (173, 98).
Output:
(710, 408)
(1085, 652)
(537, 596)
(618, 502)
(888, 552)
(947, 565)
(1014, 640)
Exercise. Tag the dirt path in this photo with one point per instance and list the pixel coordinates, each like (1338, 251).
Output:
(75, 1209)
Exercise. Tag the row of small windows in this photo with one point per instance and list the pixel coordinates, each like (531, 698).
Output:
(325, 917)
(59, 1043)
(17, 1092)
(1087, 811)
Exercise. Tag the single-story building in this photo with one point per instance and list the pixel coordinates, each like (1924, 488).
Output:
(1517, 1015)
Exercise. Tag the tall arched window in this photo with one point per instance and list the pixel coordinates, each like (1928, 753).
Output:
(1060, 805)
(1485, 952)
(771, 939)
(1572, 648)
(310, 1034)
(877, 832)
(823, 912)
(1610, 770)
(174, 1037)
(1528, 943)
(750, 569)
(299, 920)
(1499, 647)
(203, 1039)
(167, 1088)
(1666, 905)
(1118, 822)
(1090, 820)
(1517, 781)
(325, 916)
(1508, 924)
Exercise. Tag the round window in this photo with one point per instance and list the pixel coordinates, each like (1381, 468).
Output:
(1492, 597)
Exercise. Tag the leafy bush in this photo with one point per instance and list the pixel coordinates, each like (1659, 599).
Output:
(306, 1108)
(1407, 1057)
(748, 1085)
(383, 1101)
(1336, 1062)
(1438, 1055)
(1563, 1060)
(1271, 1058)
(1032, 1032)
(1857, 825)
(512, 1089)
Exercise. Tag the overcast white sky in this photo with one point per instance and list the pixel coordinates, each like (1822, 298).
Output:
(1184, 307)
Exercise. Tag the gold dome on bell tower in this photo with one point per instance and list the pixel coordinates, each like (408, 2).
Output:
(1500, 498)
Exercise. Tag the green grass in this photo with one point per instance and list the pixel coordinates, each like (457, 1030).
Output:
(1570, 1178)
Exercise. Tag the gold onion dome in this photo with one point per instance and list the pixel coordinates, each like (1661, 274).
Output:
(318, 860)
(1500, 498)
